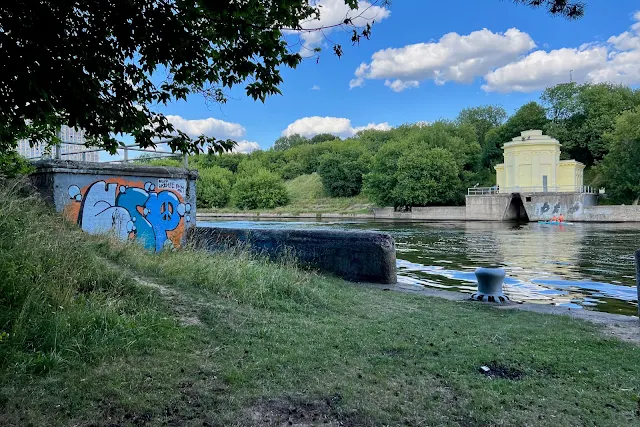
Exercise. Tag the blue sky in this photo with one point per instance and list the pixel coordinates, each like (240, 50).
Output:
(521, 51)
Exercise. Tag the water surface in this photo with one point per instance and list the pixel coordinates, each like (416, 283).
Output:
(584, 266)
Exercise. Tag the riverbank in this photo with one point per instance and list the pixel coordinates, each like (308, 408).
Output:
(105, 333)
(589, 214)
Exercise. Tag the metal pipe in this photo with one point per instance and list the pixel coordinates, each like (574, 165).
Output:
(58, 152)
(126, 154)
(638, 279)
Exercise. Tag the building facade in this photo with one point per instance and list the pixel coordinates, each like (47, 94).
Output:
(532, 164)
(72, 147)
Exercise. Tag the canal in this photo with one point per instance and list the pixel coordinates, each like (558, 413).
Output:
(583, 266)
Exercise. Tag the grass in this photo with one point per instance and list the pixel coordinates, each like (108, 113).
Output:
(307, 195)
(272, 345)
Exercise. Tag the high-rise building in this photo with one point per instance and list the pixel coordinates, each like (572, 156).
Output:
(72, 147)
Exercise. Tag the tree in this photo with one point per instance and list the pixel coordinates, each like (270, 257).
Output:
(259, 189)
(569, 9)
(483, 119)
(342, 171)
(322, 137)
(427, 178)
(214, 187)
(286, 142)
(562, 101)
(529, 116)
(98, 64)
(619, 169)
(581, 115)
(405, 175)
(103, 66)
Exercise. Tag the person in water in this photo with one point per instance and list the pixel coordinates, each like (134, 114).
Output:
(554, 219)
(561, 218)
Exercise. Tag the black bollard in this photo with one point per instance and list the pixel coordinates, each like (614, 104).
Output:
(638, 279)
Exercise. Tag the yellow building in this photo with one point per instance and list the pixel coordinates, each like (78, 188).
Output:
(532, 164)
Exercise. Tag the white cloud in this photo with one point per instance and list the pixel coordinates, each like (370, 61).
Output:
(245, 147)
(315, 87)
(372, 126)
(541, 69)
(399, 85)
(209, 127)
(311, 126)
(334, 12)
(617, 61)
(452, 58)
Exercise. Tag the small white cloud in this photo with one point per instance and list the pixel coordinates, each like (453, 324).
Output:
(399, 85)
(332, 13)
(372, 126)
(315, 87)
(339, 126)
(209, 127)
(245, 147)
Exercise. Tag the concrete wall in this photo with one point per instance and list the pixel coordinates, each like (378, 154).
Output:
(362, 256)
(153, 205)
(609, 214)
(542, 207)
(430, 213)
(493, 207)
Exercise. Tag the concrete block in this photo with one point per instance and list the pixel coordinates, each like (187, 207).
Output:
(359, 256)
(153, 205)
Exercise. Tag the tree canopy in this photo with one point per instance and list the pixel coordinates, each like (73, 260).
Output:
(105, 66)
(581, 115)
(619, 169)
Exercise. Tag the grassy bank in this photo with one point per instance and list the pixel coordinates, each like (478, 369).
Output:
(307, 195)
(102, 333)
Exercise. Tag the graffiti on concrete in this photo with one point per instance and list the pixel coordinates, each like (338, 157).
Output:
(556, 208)
(576, 208)
(132, 210)
(545, 208)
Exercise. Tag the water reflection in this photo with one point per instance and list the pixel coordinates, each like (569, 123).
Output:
(580, 265)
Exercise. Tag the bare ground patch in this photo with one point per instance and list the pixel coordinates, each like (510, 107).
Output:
(300, 412)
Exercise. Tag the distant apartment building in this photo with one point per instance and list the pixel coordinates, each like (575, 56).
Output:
(68, 149)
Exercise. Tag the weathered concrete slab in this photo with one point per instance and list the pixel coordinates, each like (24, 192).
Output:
(544, 206)
(494, 207)
(427, 213)
(154, 205)
(361, 256)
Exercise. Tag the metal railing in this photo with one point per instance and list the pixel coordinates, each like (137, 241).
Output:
(126, 150)
(484, 191)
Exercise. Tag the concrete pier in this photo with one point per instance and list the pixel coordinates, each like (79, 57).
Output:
(360, 256)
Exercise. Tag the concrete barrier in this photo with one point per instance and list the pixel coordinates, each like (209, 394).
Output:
(153, 205)
(428, 213)
(360, 256)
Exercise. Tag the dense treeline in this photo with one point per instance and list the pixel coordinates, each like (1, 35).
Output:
(433, 164)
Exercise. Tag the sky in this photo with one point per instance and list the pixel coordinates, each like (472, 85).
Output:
(426, 60)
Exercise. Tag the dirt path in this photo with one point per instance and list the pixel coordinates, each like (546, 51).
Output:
(184, 307)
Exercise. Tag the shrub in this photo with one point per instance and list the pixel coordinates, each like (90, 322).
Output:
(250, 166)
(13, 164)
(259, 189)
(214, 187)
(405, 176)
(341, 171)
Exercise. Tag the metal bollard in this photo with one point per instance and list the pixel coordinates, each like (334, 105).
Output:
(490, 282)
(638, 279)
